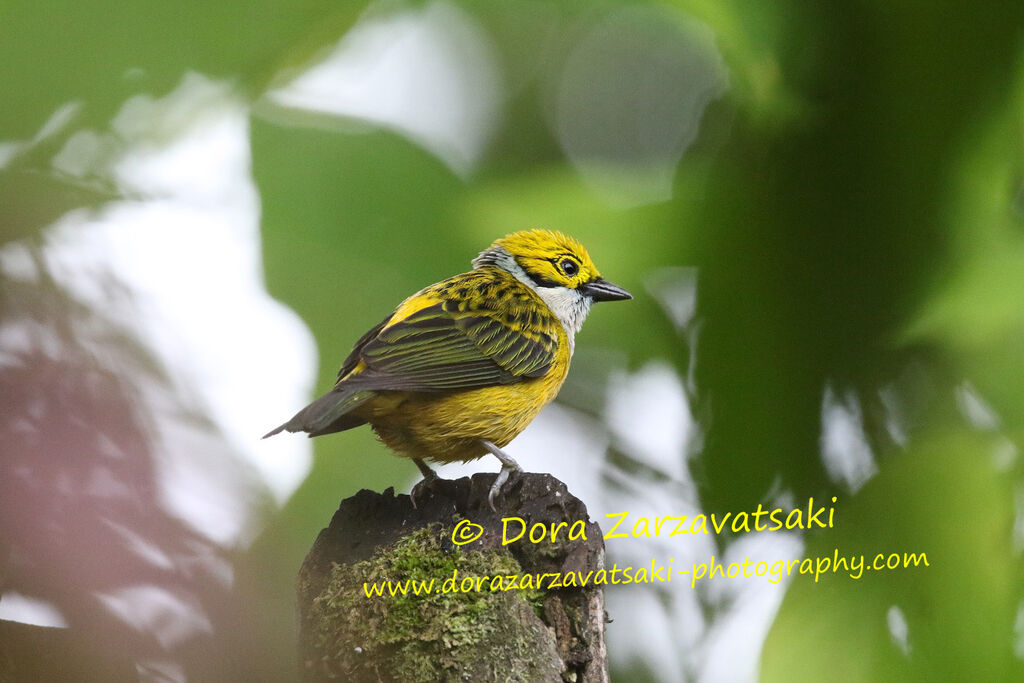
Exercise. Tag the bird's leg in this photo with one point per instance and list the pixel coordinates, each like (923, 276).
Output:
(429, 477)
(508, 466)
(425, 469)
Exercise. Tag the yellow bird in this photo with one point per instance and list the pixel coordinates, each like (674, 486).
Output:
(462, 366)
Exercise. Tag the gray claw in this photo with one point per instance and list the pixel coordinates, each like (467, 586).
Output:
(496, 487)
(508, 466)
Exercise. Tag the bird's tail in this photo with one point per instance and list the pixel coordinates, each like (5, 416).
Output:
(327, 414)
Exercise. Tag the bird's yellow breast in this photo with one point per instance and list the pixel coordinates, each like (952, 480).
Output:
(449, 427)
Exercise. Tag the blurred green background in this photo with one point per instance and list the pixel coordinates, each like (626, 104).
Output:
(819, 208)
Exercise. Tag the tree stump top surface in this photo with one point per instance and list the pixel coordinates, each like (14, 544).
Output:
(529, 633)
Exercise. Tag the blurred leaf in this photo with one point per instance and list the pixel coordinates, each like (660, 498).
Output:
(959, 610)
(101, 53)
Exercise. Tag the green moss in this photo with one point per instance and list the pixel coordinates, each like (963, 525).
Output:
(429, 636)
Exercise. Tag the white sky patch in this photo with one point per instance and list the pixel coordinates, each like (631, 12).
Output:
(660, 624)
(973, 407)
(148, 551)
(649, 414)
(560, 442)
(150, 609)
(428, 74)
(160, 672)
(983, 417)
(732, 649)
(676, 290)
(18, 263)
(643, 631)
(21, 608)
(60, 118)
(1004, 454)
(899, 630)
(895, 419)
(9, 150)
(188, 250)
(200, 483)
(844, 446)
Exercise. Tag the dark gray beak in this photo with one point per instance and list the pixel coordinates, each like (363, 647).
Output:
(602, 290)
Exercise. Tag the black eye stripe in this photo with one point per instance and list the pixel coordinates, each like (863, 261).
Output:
(559, 264)
(543, 281)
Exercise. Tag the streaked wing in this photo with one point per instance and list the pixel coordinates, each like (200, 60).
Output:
(460, 344)
(353, 358)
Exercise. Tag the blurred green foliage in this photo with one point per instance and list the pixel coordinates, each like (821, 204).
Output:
(853, 204)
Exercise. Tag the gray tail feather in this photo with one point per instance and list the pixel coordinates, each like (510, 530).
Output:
(327, 414)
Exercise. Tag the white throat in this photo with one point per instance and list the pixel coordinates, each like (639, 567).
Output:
(569, 306)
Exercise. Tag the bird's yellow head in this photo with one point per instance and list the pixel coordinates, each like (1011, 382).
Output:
(550, 258)
(546, 259)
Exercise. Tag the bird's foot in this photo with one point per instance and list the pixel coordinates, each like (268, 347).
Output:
(429, 479)
(508, 466)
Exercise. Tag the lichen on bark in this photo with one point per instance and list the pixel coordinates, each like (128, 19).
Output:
(435, 636)
(469, 624)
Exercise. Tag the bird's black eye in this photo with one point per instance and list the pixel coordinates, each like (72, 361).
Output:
(569, 267)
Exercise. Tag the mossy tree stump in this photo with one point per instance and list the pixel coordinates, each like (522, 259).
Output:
(469, 625)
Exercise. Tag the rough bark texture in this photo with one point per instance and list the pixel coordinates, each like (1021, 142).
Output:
(529, 633)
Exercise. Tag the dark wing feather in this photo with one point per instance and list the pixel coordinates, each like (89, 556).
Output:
(461, 343)
(353, 358)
